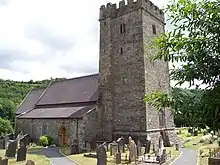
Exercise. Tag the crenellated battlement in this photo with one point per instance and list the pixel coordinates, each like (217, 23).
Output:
(113, 11)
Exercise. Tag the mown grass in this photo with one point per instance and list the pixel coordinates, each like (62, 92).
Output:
(33, 153)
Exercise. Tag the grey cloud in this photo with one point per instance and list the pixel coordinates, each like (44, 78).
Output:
(49, 38)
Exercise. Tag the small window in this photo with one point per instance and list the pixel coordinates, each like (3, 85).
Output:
(121, 50)
(122, 28)
(154, 29)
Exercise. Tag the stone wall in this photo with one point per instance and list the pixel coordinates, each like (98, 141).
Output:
(213, 161)
(33, 127)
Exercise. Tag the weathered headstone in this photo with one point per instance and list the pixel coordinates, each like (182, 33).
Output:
(132, 150)
(121, 145)
(114, 148)
(2, 142)
(118, 158)
(74, 149)
(4, 161)
(30, 162)
(21, 153)
(11, 150)
(139, 148)
(147, 146)
(25, 140)
(101, 155)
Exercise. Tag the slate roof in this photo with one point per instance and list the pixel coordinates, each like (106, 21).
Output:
(51, 102)
(76, 90)
(30, 100)
(58, 112)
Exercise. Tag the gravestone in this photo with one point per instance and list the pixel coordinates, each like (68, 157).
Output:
(121, 145)
(110, 149)
(11, 150)
(147, 146)
(4, 161)
(74, 149)
(132, 150)
(25, 140)
(139, 148)
(21, 153)
(19, 137)
(101, 155)
(30, 162)
(6, 141)
(118, 158)
(114, 148)
(2, 142)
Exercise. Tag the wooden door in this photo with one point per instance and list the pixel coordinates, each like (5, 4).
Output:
(63, 136)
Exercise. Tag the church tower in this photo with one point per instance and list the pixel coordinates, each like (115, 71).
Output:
(126, 72)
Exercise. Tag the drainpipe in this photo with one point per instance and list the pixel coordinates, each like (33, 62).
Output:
(77, 129)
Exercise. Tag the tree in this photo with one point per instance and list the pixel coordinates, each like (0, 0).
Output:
(195, 41)
(5, 126)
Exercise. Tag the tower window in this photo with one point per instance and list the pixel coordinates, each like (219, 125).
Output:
(121, 50)
(122, 28)
(154, 29)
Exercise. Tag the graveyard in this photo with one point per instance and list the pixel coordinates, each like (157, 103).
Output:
(120, 153)
(19, 150)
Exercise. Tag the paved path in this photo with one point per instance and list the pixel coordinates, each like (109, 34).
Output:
(56, 158)
(189, 157)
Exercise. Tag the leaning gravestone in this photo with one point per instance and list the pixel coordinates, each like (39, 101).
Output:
(101, 155)
(2, 142)
(4, 161)
(132, 150)
(21, 153)
(11, 150)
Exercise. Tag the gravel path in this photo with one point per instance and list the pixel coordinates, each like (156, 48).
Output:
(189, 157)
(56, 158)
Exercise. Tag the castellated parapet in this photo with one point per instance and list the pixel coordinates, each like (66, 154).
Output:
(114, 11)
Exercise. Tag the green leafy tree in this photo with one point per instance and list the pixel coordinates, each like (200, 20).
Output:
(195, 41)
(5, 126)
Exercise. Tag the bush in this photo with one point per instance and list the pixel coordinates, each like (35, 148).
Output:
(5, 126)
(43, 141)
(50, 139)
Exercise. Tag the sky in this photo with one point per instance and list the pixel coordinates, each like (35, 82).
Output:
(40, 39)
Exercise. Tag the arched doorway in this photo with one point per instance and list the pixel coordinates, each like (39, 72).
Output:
(63, 136)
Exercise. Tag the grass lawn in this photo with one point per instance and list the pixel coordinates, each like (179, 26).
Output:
(32, 154)
(79, 158)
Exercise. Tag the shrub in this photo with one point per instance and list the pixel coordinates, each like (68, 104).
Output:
(50, 139)
(43, 141)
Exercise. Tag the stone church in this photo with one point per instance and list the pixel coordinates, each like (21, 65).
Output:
(107, 105)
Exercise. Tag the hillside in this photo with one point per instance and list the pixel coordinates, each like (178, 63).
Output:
(13, 92)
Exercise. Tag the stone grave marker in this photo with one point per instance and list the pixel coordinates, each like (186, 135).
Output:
(30, 162)
(19, 137)
(4, 161)
(21, 153)
(2, 142)
(114, 148)
(6, 141)
(74, 149)
(132, 150)
(121, 145)
(118, 158)
(139, 148)
(147, 146)
(101, 155)
(11, 150)
(110, 149)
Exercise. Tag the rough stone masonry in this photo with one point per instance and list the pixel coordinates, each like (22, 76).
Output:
(126, 73)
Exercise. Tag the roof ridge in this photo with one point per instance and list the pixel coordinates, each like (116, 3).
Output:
(74, 78)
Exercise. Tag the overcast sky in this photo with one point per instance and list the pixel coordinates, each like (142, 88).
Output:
(40, 39)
